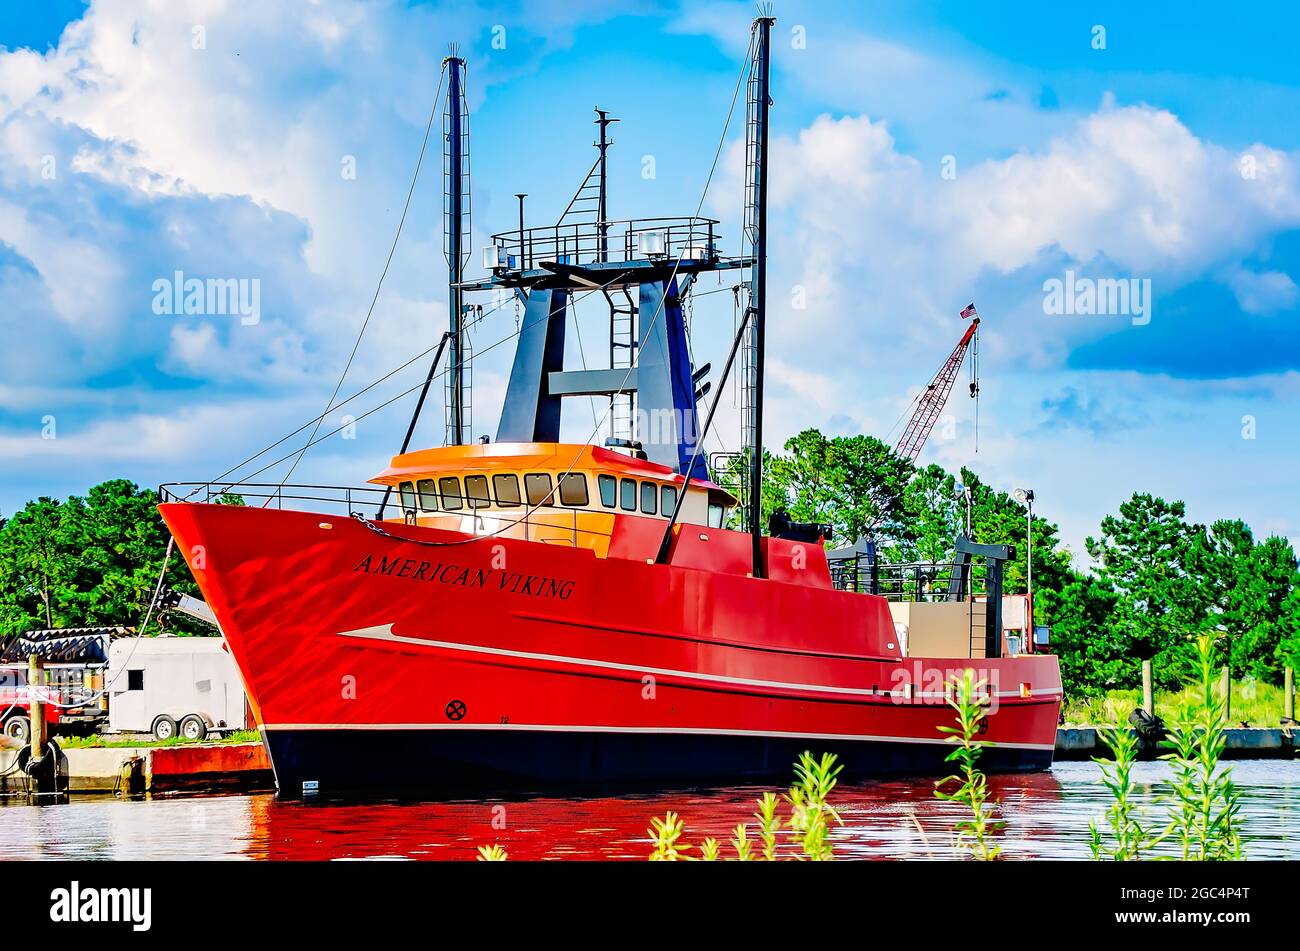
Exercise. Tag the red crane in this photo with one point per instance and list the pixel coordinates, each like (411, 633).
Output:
(931, 400)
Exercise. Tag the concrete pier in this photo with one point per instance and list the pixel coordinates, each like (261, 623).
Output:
(201, 767)
(1084, 742)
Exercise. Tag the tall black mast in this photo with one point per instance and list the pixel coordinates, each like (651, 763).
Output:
(759, 292)
(602, 204)
(454, 198)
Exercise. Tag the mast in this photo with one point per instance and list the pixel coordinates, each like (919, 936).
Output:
(602, 204)
(455, 212)
(758, 301)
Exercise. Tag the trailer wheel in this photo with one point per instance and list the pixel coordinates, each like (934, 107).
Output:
(164, 728)
(193, 727)
(19, 728)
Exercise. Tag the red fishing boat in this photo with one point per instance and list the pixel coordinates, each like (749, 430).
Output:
(532, 611)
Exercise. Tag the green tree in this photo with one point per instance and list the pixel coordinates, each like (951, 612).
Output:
(86, 562)
(850, 482)
(39, 573)
(932, 518)
(1288, 648)
(1094, 654)
(1244, 586)
(1149, 554)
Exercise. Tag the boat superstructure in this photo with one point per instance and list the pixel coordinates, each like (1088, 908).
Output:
(526, 610)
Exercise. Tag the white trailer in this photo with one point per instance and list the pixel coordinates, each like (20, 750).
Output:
(174, 685)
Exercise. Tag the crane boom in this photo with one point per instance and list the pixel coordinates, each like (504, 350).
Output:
(933, 398)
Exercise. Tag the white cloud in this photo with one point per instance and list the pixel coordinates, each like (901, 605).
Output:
(1262, 292)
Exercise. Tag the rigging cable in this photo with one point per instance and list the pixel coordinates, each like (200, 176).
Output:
(388, 402)
(378, 286)
(370, 386)
(659, 310)
(632, 366)
(722, 140)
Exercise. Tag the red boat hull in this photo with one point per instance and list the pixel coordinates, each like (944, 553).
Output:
(393, 657)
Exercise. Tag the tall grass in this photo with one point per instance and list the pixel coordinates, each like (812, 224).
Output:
(807, 827)
(110, 741)
(969, 787)
(1127, 836)
(810, 821)
(1202, 803)
(1253, 702)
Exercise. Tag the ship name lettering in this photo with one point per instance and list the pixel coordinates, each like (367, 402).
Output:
(514, 582)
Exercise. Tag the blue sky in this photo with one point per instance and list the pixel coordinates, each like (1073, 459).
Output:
(142, 138)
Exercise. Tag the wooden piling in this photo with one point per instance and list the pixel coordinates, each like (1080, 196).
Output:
(1288, 694)
(36, 707)
(1148, 688)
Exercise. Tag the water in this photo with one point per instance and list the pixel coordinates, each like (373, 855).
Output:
(1046, 816)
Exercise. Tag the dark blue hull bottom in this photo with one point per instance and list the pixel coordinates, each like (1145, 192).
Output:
(447, 762)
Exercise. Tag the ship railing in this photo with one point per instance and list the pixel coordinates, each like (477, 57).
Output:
(918, 581)
(580, 243)
(537, 522)
(358, 500)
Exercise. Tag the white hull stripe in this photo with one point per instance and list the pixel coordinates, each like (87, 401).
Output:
(384, 633)
(649, 731)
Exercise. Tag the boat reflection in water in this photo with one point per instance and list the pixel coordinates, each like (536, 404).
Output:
(1046, 815)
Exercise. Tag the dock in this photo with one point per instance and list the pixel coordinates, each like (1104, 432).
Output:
(1084, 742)
(200, 767)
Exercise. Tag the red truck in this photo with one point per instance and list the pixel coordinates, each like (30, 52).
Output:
(65, 685)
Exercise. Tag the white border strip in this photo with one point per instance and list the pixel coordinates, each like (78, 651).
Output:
(690, 731)
(384, 633)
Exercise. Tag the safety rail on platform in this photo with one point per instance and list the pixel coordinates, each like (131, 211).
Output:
(583, 243)
(912, 581)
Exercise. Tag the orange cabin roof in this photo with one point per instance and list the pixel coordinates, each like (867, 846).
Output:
(489, 457)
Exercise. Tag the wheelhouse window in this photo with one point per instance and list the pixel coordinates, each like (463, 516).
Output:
(716, 514)
(407, 491)
(667, 500)
(573, 489)
(627, 495)
(506, 489)
(649, 497)
(449, 488)
(428, 495)
(608, 490)
(476, 490)
(538, 487)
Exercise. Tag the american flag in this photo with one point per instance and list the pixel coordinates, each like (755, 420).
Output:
(969, 311)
